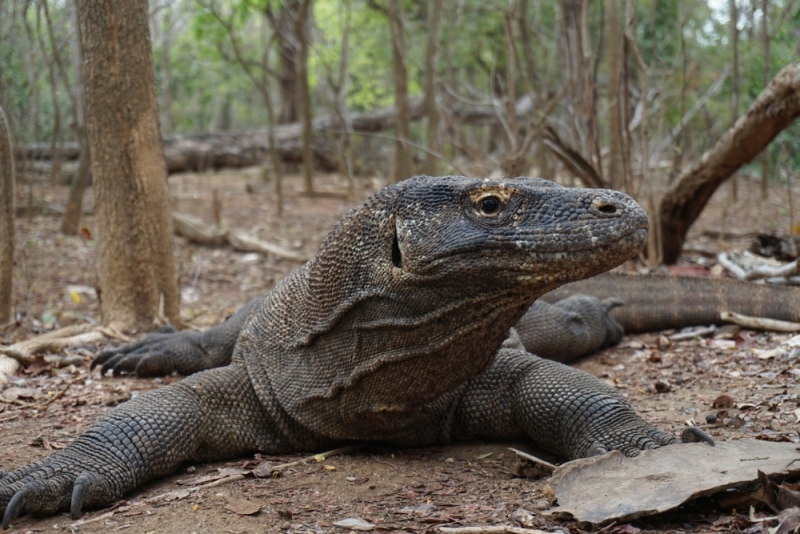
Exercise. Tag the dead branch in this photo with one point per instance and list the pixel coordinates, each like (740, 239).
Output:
(571, 159)
(196, 231)
(759, 323)
(757, 271)
(775, 108)
(497, 529)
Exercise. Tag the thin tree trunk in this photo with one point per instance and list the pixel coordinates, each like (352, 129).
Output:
(774, 109)
(71, 223)
(765, 163)
(301, 24)
(340, 101)
(55, 169)
(735, 90)
(616, 168)
(7, 197)
(435, 8)
(403, 167)
(136, 265)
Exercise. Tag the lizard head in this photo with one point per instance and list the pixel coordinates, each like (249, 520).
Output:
(526, 233)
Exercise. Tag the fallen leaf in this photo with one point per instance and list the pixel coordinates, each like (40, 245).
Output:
(14, 393)
(242, 507)
(723, 401)
(484, 456)
(175, 495)
(615, 488)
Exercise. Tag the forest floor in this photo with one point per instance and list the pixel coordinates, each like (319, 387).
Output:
(417, 490)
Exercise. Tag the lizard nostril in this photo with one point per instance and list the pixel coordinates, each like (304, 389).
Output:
(608, 208)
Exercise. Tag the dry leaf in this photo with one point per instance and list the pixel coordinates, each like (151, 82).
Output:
(242, 507)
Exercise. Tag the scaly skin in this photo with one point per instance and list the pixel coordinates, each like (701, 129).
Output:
(391, 333)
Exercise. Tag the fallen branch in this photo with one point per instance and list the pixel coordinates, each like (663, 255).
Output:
(757, 271)
(24, 352)
(203, 234)
(759, 323)
(495, 529)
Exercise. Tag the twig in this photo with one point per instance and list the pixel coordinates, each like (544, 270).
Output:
(532, 458)
(323, 455)
(58, 395)
(215, 483)
(697, 332)
(759, 323)
(82, 522)
(45, 404)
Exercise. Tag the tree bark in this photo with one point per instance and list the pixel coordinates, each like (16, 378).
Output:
(774, 109)
(301, 24)
(136, 265)
(434, 26)
(403, 167)
(6, 220)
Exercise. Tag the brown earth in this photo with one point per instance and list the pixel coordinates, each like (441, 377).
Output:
(468, 484)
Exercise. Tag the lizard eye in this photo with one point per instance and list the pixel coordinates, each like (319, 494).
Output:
(489, 206)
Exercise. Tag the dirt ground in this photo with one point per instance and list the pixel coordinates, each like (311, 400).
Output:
(467, 484)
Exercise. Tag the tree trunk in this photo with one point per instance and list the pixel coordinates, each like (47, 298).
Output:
(735, 90)
(166, 72)
(287, 51)
(774, 109)
(616, 168)
(136, 265)
(6, 220)
(403, 167)
(71, 223)
(301, 24)
(435, 8)
(765, 163)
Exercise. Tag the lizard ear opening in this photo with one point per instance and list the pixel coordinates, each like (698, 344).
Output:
(397, 257)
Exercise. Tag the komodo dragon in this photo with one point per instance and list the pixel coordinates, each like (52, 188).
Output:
(394, 332)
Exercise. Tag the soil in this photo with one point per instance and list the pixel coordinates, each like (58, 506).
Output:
(417, 490)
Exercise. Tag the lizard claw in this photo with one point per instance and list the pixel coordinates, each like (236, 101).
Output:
(692, 434)
(14, 508)
(78, 496)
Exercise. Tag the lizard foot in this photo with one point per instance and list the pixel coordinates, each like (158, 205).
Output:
(52, 485)
(158, 354)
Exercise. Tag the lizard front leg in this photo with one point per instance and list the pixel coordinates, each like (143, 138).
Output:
(562, 409)
(211, 415)
(170, 351)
